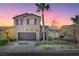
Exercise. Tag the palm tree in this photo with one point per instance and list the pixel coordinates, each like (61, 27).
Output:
(76, 21)
(41, 7)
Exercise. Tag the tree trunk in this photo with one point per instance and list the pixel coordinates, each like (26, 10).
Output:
(78, 34)
(43, 29)
(7, 36)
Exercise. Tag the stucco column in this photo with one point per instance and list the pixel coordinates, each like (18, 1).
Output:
(37, 36)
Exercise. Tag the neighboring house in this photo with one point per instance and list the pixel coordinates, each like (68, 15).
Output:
(72, 30)
(6, 29)
(54, 33)
(27, 27)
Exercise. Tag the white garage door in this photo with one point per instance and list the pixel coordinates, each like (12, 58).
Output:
(27, 36)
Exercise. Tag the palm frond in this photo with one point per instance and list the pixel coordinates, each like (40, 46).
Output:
(37, 4)
(38, 7)
(72, 19)
(75, 19)
(43, 5)
(47, 6)
(37, 10)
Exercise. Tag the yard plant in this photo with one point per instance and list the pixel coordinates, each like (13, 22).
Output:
(3, 41)
(57, 43)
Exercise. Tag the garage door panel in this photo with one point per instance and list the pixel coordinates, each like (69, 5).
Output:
(27, 36)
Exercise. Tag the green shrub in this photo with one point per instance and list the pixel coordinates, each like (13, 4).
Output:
(49, 38)
(62, 36)
(14, 39)
(57, 43)
(68, 42)
(3, 41)
(45, 46)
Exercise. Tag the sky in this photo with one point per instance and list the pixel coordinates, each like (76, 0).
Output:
(60, 12)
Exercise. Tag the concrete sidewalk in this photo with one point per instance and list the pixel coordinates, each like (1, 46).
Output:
(29, 47)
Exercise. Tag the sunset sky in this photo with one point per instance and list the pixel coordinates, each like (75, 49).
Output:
(62, 13)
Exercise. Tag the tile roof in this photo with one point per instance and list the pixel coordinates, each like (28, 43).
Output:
(4, 28)
(24, 15)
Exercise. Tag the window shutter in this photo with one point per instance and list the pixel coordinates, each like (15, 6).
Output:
(21, 22)
(27, 21)
(17, 22)
(35, 21)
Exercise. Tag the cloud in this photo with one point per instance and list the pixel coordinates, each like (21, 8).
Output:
(2, 17)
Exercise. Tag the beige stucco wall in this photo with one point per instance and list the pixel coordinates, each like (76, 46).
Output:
(72, 30)
(67, 29)
(28, 28)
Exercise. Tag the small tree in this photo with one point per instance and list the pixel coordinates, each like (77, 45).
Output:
(7, 34)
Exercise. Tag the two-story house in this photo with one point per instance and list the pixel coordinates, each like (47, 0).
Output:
(27, 27)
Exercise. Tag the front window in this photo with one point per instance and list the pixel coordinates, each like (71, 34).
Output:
(32, 21)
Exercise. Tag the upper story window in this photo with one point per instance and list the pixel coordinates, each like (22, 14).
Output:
(27, 21)
(31, 21)
(21, 22)
(35, 21)
(17, 21)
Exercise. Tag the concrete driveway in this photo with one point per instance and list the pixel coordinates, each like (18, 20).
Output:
(18, 47)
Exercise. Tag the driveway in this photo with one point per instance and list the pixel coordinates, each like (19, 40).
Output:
(17, 47)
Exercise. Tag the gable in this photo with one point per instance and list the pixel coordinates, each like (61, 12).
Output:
(20, 16)
(26, 15)
(32, 17)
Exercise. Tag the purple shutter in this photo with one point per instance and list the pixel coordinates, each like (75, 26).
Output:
(27, 21)
(21, 22)
(16, 21)
(35, 21)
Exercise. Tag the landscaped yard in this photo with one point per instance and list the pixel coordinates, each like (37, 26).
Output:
(3, 41)
(57, 43)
